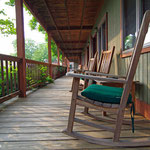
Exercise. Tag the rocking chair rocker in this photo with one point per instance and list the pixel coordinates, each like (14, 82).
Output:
(125, 97)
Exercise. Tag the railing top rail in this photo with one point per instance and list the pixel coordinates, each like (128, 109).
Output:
(36, 62)
(58, 65)
(9, 58)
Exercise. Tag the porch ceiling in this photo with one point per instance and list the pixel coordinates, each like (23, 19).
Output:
(69, 22)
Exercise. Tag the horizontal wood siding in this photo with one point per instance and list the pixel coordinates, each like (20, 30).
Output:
(120, 65)
(142, 75)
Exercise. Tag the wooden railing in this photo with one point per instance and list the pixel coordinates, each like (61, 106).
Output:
(35, 72)
(9, 83)
(58, 71)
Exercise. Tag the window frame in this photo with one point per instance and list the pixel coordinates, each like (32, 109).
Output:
(99, 43)
(146, 46)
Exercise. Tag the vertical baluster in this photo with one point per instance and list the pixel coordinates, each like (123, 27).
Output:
(15, 76)
(2, 77)
(36, 73)
(33, 73)
(11, 79)
(27, 74)
(7, 77)
(30, 73)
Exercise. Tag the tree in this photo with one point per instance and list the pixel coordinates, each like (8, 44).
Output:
(30, 48)
(41, 53)
(33, 51)
(6, 25)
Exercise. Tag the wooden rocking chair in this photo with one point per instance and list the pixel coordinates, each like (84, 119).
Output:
(91, 67)
(102, 67)
(82, 101)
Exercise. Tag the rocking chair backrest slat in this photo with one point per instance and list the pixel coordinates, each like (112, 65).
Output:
(105, 61)
(92, 62)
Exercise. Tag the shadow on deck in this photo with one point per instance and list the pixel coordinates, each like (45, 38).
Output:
(37, 122)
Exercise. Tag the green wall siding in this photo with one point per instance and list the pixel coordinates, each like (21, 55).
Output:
(120, 65)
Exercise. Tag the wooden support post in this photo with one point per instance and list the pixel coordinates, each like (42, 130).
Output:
(62, 59)
(49, 54)
(68, 66)
(58, 55)
(21, 47)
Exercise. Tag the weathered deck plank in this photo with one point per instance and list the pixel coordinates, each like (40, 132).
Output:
(37, 122)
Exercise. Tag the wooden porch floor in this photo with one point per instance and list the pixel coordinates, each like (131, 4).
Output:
(37, 122)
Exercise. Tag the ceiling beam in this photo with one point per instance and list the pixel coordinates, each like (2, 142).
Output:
(71, 28)
(71, 51)
(52, 18)
(82, 18)
(70, 42)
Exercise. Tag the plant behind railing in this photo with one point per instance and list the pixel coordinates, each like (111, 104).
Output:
(9, 78)
(37, 73)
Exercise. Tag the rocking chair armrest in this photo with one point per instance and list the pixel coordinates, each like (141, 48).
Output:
(79, 71)
(90, 77)
(104, 74)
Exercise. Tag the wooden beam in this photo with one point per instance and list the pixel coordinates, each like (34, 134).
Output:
(52, 28)
(70, 42)
(82, 18)
(52, 18)
(63, 58)
(49, 54)
(21, 47)
(58, 55)
(71, 51)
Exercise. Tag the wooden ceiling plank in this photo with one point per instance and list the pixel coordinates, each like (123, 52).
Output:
(68, 42)
(52, 18)
(82, 18)
(71, 28)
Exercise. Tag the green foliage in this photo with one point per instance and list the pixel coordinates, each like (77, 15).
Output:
(33, 23)
(11, 71)
(6, 25)
(44, 77)
(41, 53)
(129, 41)
(30, 48)
(10, 3)
(38, 52)
(2, 12)
(49, 79)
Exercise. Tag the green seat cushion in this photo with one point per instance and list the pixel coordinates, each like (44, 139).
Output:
(104, 94)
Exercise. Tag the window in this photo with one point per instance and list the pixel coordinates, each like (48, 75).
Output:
(146, 6)
(133, 11)
(94, 44)
(102, 37)
(102, 34)
(129, 23)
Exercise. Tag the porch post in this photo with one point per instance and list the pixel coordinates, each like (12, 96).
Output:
(21, 47)
(58, 55)
(68, 66)
(62, 58)
(49, 55)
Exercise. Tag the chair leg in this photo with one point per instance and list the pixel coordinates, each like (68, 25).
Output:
(86, 110)
(104, 113)
(73, 105)
(121, 111)
(71, 116)
(71, 86)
